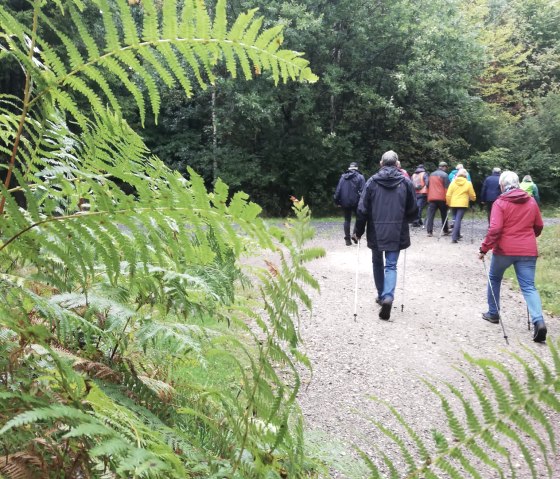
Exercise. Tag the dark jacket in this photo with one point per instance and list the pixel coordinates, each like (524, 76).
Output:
(349, 189)
(387, 205)
(491, 188)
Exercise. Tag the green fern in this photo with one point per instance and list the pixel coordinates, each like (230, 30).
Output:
(120, 277)
(517, 415)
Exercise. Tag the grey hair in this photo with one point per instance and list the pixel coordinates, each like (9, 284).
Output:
(496, 170)
(462, 172)
(509, 180)
(389, 158)
(527, 178)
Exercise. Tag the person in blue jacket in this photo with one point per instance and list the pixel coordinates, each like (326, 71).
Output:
(347, 195)
(387, 205)
(491, 190)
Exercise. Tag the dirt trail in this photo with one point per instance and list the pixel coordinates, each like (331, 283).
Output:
(445, 294)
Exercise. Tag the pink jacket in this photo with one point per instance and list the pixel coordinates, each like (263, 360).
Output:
(515, 223)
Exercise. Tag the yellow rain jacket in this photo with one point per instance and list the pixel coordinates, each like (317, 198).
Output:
(459, 193)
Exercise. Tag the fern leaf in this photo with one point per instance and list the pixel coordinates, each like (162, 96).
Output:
(466, 464)
(169, 14)
(112, 40)
(51, 413)
(130, 61)
(74, 56)
(87, 38)
(507, 431)
(219, 28)
(113, 66)
(150, 31)
(79, 86)
(130, 33)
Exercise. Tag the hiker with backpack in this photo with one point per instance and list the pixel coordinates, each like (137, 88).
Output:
(515, 224)
(420, 181)
(347, 195)
(387, 205)
(529, 187)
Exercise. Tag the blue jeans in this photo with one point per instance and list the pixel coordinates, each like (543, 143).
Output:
(421, 202)
(525, 271)
(385, 275)
(458, 218)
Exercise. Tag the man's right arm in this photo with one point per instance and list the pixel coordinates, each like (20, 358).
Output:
(336, 196)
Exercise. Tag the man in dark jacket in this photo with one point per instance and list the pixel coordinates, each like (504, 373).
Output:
(347, 195)
(491, 190)
(387, 205)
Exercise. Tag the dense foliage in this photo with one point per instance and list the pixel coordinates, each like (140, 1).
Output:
(472, 82)
(130, 344)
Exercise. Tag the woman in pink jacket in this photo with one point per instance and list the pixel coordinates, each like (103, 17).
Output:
(515, 223)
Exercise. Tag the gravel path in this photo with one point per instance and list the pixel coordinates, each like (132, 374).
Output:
(443, 298)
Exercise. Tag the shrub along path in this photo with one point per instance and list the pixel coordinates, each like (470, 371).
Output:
(443, 298)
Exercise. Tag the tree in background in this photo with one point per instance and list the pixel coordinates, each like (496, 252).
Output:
(435, 80)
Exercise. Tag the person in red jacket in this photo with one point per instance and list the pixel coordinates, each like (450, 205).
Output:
(515, 223)
(439, 182)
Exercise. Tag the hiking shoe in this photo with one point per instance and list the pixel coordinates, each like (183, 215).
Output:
(386, 306)
(430, 234)
(491, 318)
(539, 332)
(348, 242)
(378, 301)
(446, 233)
(454, 241)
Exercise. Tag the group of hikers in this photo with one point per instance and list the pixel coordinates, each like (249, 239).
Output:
(390, 200)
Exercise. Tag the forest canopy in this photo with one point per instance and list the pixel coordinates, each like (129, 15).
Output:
(469, 82)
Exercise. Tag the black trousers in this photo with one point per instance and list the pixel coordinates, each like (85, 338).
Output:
(432, 207)
(348, 212)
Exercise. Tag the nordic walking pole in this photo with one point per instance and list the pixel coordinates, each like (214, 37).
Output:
(356, 285)
(472, 225)
(496, 302)
(403, 276)
(528, 320)
(443, 225)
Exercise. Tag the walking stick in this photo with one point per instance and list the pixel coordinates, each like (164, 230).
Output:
(496, 302)
(443, 225)
(472, 225)
(356, 285)
(528, 320)
(403, 276)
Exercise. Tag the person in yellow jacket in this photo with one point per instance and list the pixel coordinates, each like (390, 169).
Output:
(458, 195)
